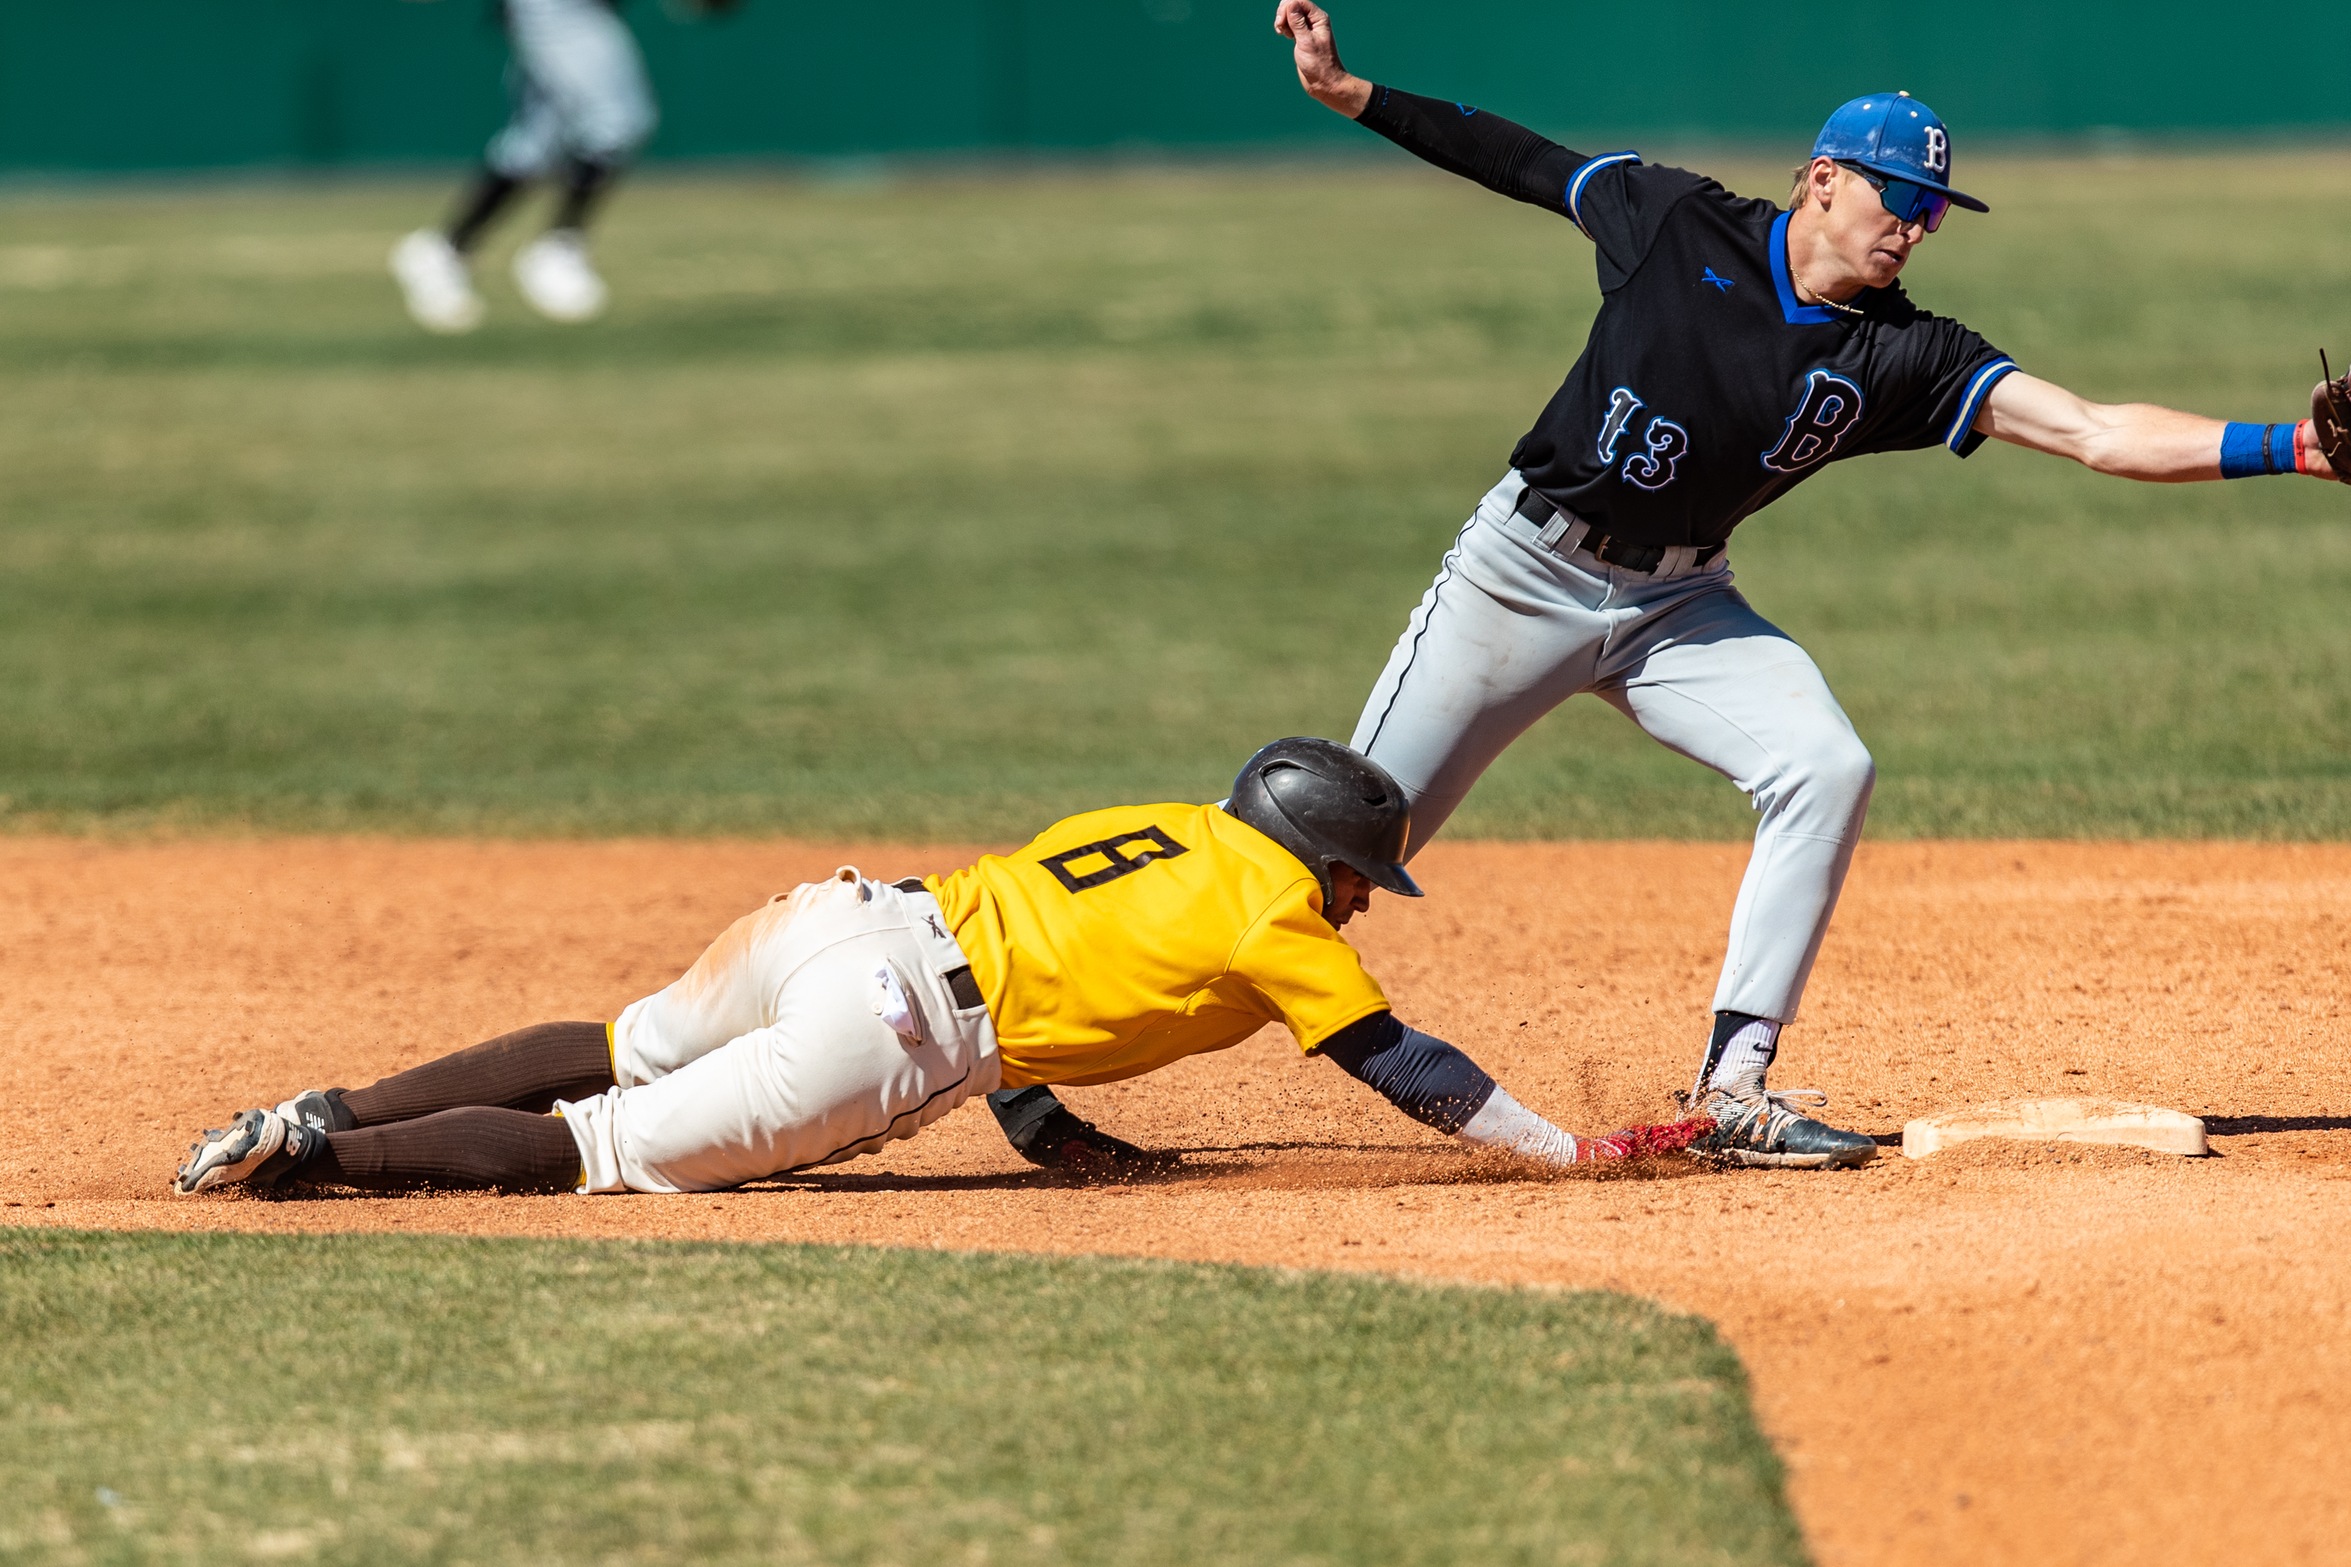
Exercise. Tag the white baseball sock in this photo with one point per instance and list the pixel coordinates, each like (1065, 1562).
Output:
(1502, 1122)
(1746, 1057)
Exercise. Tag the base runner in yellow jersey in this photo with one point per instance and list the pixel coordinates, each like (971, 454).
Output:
(853, 1012)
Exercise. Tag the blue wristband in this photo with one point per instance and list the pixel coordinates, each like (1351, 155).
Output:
(2248, 451)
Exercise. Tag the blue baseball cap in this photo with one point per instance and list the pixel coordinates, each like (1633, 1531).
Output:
(1894, 135)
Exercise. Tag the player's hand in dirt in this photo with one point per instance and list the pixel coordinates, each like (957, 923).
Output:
(1068, 1146)
(1316, 51)
(2330, 419)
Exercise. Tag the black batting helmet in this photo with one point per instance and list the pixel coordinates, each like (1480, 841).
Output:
(1328, 804)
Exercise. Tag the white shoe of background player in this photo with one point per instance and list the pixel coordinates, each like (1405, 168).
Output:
(436, 283)
(553, 273)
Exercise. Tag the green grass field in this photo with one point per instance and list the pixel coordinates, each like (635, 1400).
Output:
(940, 506)
(380, 1399)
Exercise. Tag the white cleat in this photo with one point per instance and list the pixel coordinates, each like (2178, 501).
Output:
(554, 275)
(435, 283)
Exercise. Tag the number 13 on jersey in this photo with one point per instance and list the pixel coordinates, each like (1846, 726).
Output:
(1664, 443)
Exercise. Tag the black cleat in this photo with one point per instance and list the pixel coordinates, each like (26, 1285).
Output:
(1766, 1130)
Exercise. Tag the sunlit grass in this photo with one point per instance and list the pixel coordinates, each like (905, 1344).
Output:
(398, 1399)
(943, 506)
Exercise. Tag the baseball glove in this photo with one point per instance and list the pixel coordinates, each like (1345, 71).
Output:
(2330, 417)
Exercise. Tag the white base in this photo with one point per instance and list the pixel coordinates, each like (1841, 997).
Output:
(2058, 1121)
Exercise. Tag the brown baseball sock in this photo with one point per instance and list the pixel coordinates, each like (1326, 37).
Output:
(529, 1069)
(475, 1147)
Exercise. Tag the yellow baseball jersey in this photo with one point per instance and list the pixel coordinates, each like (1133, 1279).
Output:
(1122, 940)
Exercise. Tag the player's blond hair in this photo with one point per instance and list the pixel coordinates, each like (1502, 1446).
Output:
(1803, 178)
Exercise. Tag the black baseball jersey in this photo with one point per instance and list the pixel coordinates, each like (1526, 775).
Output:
(1705, 391)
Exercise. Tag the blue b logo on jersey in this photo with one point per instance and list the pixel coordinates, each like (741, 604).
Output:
(1831, 406)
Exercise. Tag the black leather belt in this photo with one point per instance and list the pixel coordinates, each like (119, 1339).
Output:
(1536, 508)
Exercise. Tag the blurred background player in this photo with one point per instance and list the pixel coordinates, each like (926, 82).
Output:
(582, 107)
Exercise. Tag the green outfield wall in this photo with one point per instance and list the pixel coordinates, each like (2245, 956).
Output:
(120, 85)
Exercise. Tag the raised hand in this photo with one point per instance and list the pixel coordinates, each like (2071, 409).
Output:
(2330, 420)
(1316, 50)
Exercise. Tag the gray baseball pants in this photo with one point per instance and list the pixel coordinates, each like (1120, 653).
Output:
(579, 89)
(1520, 619)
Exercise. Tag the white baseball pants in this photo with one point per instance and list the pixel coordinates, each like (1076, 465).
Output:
(579, 88)
(814, 1030)
(1518, 622)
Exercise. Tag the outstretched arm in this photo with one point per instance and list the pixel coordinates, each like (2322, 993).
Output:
(2143, 440)
(1438, 1085)
(1504, 157)
(1429, 1080)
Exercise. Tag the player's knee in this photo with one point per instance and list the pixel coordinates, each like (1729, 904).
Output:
(1843, 774)
(620, 132)
(1826, 789)
(521, 158)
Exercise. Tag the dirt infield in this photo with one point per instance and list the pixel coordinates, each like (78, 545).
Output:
(1999, 1355)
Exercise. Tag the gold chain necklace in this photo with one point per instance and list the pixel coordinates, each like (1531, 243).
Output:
(1820, 298)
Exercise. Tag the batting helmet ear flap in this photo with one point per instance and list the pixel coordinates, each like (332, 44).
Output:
(1329, 804)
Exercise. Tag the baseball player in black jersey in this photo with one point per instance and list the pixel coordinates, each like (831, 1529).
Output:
(1739, 348)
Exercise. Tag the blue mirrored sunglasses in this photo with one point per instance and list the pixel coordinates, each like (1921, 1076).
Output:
(1909, 201)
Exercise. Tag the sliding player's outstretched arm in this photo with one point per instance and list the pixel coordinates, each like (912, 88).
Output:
(1503, 157)
(2163, 445)
(1438, 1085)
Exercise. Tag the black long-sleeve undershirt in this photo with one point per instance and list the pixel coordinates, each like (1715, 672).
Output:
(1429, 1080)
(1504, 157)
(1421, 1075)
